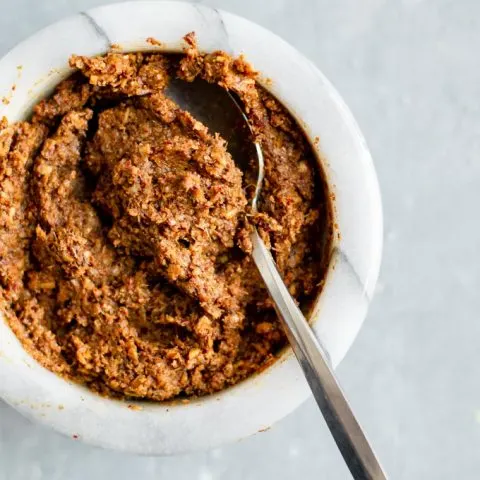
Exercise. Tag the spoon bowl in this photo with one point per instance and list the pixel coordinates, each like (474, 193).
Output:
(222, 113)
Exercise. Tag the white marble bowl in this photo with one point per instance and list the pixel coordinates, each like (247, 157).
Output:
(39, 63)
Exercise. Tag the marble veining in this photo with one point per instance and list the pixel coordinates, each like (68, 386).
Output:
(98, 29)
(213, 18)
(342, 256)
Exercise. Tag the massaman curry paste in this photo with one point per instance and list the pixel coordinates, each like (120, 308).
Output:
(124, 229)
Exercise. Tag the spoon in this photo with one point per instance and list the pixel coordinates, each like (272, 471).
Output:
(221, 112)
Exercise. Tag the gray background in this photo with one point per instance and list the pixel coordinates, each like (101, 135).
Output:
(410, 72)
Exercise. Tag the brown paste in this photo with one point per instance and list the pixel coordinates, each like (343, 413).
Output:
(124, 229)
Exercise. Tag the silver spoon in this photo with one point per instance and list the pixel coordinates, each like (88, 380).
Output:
(220, 112)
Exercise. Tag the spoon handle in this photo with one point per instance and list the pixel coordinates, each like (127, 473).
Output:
(341, 421)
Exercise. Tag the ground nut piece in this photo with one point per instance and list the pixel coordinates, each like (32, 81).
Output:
(125, 229)
(127, 73)
(206, 332)
(192, 64)
(71, 94)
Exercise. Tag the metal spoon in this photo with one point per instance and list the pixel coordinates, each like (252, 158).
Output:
(222, 113)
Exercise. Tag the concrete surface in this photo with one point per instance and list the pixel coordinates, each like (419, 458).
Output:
(410, 72)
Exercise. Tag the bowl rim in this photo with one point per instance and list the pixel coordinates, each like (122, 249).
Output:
(261, 400)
